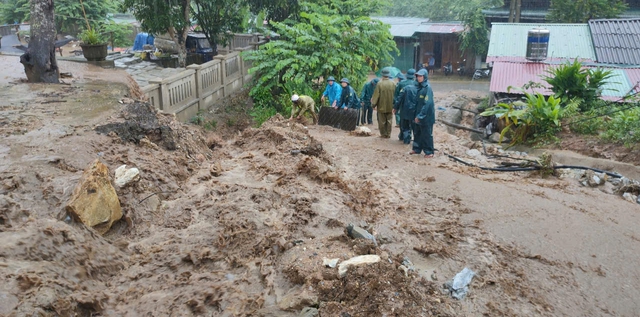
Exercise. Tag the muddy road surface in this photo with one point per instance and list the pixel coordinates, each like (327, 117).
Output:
(241, 226)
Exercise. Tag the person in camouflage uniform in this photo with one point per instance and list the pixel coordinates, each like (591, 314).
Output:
(382, 101)
(302, 104)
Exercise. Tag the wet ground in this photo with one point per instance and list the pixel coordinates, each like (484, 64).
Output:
(240, 226)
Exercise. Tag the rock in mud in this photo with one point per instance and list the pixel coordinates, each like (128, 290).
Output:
(593, 179)
(297, 299)
(361, 131)
(216, 169)
(309, 312)
(356, 232)
(630, 197)
(94, 201)
(356, 261)
(495, 138)
(473, 153)
(330, 262)
(141, 121)
(125, 176)
(314, 149)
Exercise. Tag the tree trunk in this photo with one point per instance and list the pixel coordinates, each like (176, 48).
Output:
(39, 61)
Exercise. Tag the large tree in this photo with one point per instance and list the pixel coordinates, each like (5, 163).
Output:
(167, 16)
(581, 11)
(276, 10)
(69, 15)
(218, 19)
(322, 42)
(39, 61)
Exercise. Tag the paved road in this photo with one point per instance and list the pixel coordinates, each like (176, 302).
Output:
(7, 44)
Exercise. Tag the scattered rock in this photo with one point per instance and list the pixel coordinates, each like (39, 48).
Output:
(473, 153)
(145, 142)
(495, 137)
(356, 232)
(607, 188)
(593, 179)
(361, 131)
(314, 149)
(216, 169)
(330, 262)
(630, 197)
(297, 299)
(405, 269)
(94, 201)
(459, 285)
(125, 176)
(126, 101)
(309, 312)
(355, 261)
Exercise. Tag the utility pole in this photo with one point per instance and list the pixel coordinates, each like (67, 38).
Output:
(512, 9)
(518, 10)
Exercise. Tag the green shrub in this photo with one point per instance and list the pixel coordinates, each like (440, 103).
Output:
(535, 120)
(571, 82)
(122, 33)
(623, 127)
(261, 114)
(91, 37)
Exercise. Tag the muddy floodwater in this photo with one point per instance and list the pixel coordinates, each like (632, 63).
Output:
(239, 221)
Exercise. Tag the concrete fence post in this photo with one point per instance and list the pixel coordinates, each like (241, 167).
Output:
(223, 73)
(164, 92)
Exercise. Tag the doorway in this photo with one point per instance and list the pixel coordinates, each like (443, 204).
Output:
(437, 53)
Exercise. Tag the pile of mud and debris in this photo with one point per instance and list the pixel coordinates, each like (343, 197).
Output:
(200, 226)
(135, 214)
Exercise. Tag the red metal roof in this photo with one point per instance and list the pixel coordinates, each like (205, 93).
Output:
(519, 59)
(517, 74)
(444, 28)
(633, 74)
(509, 74)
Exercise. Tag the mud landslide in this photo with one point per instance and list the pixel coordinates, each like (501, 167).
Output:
(241, 226)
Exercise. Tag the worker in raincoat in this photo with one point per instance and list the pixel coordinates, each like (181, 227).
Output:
(400, 77)
(409, 81)
(332, 92)
(365, 96)
(405, 104)
(382, 100)
(347, 96)
(425, 117)
(302, 104)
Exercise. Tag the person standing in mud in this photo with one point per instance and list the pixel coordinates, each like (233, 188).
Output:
(365, 96)
(405, 104)
(425, 117)
(382, 100)
(301, 105)
(407, 82)
(332, 92)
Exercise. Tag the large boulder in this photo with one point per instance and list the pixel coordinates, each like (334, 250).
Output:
(94, 201)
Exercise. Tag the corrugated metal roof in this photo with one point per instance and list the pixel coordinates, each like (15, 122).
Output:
(633, 74)
(444, 28)
(616, 41)
(407, 27)
(516, 75)
(565, 41)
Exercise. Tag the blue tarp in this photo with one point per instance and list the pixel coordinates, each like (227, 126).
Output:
(141, 40)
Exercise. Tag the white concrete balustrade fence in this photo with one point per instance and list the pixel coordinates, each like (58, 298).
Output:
(201, 86)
